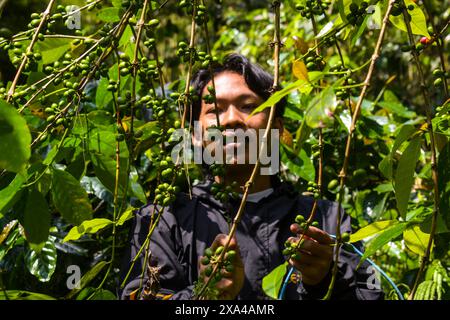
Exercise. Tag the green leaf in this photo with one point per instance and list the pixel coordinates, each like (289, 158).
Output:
(277, 96)
(70, 198)
(8, 194)
(404, 176)
(102, 149)
(416, 240)
(386, 165)
(127, 215)
(87, 278)
(383, 238)
(301, 165)
(443, 184)
(53, 48)
(418, 21)
(110, 14)
(319, 108)
(397, 108)
(23, 295)
(36, 221)
(15, 139)
(103, 294)
(42, 264)
(371, 230)
(271, 283)
(88, 226)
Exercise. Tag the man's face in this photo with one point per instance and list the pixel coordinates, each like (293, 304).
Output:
(235, 103)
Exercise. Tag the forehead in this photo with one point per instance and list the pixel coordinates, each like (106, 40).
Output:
(229, 84)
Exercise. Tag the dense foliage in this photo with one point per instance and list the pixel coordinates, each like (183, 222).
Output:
(89, 98)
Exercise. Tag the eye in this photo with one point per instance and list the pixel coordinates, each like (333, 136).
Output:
(249, 106)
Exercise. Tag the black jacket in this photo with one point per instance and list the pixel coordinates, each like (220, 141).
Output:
(189, 226)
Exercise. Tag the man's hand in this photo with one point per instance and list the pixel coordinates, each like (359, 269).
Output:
(314, 258)
(231, 283)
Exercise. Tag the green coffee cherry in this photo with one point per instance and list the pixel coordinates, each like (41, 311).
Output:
(218, 251)
(438, 82)
(230, 255)
(208, 252)
(345, 237)
(229, 268)
(208, 271)
(205, 261)
(299, 218)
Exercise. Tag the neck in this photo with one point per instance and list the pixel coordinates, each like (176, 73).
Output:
(241, 174)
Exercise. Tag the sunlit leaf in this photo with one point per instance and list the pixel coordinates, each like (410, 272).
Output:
(88, 226)
(371, 230)
(70, 198)
(416, 240)
(383, 238)
(36, 221)
(42, 264)
(15, 139)
(404, 175)
(418, 21)
(271, 283)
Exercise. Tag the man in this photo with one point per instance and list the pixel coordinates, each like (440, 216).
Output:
(189, 226)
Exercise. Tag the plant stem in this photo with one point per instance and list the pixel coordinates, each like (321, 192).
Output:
(189, 73)
(428, 111)
(343, 172)
(439, 43)
(45, 15)
(277, 44)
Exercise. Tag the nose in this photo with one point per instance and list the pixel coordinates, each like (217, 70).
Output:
(232, 118)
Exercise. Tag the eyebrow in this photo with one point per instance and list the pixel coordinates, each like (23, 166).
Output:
(241, 97)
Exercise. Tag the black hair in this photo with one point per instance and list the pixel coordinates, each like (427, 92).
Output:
(256, 78)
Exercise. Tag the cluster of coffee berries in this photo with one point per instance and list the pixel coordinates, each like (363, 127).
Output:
(184, 52)
(357, 13)
(206, 59)
(159, 108)
(313, 188)
(344, 93)
(291, 249)
(148, 70)
(165, 194)
(223, 192)
(314, 61)
(211, 258)
(439, 76)
(124, 65)
(312, 7)
(398, 7)
(315, 148)
(200, 10)
(211, 96)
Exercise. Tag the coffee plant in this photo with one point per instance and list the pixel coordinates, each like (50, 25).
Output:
(91, 93)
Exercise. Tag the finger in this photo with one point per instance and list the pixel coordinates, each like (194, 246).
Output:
(317, 249)
(310, 272)
(313, 232)
(295, 240)
(224, 284)
(221, 240)
(303, 258)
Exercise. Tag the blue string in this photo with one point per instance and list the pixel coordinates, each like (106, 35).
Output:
(286, 280)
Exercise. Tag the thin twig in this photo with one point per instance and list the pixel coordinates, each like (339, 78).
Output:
(277, 44)
(428, 111)
(45, 15)
(343, 172)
